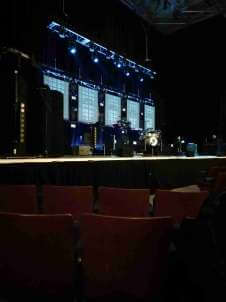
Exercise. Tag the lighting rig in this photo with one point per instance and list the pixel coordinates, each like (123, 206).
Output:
(96, 49)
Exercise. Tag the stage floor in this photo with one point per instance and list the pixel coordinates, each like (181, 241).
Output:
(33, 160)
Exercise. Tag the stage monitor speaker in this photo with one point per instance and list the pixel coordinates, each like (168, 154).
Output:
(124, 151)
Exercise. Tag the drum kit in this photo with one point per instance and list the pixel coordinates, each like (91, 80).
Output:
(151, 139)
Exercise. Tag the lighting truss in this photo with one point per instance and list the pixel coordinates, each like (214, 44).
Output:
(67, 33)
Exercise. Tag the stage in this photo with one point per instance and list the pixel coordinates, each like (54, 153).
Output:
(132, 172)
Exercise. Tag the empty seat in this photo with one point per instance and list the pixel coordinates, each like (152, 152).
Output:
(210, 179)
(123, 202)
(18, 199)
(40, 261)
(124, 256)
(178, 204)
(67, 199)
(219, 184)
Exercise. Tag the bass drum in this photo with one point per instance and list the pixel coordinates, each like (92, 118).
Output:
(153, 139)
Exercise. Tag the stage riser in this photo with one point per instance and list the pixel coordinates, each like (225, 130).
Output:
(133, 173)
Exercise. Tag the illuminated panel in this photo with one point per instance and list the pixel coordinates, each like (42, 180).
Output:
(87, 105)
(133, 113)
(149, 117)
(112, 109)
(61, 86)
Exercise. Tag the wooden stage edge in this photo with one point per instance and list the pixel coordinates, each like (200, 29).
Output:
(33, 160)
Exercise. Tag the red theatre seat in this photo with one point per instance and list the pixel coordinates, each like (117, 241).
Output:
(124, 256)
(68, 199)
(18, 199)
(123, 202)
(40, 261)
(178, 205)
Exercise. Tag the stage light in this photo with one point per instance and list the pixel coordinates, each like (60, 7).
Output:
(91, 47)
(95, 58)
(141, 79)
(72, 50)
(127, 73)
(123, 109)
(62, 34)
(134, 143)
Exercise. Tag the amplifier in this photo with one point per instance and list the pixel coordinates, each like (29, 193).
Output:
(83, 150)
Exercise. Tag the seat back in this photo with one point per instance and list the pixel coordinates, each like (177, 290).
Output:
(124, 256)
(178, 205)
(42, 264)
(220, 183)
(214, 170)
(67, 199)
(18, 199)
(7, 248)
(123, 202)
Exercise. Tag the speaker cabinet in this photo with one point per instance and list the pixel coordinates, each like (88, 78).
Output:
(14, 95)
(45, 125)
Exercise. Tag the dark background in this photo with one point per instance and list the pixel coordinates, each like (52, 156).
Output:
(190, 87)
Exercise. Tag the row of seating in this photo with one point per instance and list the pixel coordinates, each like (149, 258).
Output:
(77, 200)
(121, 256)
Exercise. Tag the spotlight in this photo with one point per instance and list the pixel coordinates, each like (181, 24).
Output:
(95, 60)
(127, 73)
(109, 55)
(91, 47)
(62, 33)
(72, 50)
(119, 64)
(141, 79)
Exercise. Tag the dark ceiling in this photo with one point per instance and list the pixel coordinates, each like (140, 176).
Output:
(169, 16)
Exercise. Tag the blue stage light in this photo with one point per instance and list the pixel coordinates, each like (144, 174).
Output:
(141, 79)
(119, 65)
(73, 50)
(95, 60)
(127, 73)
